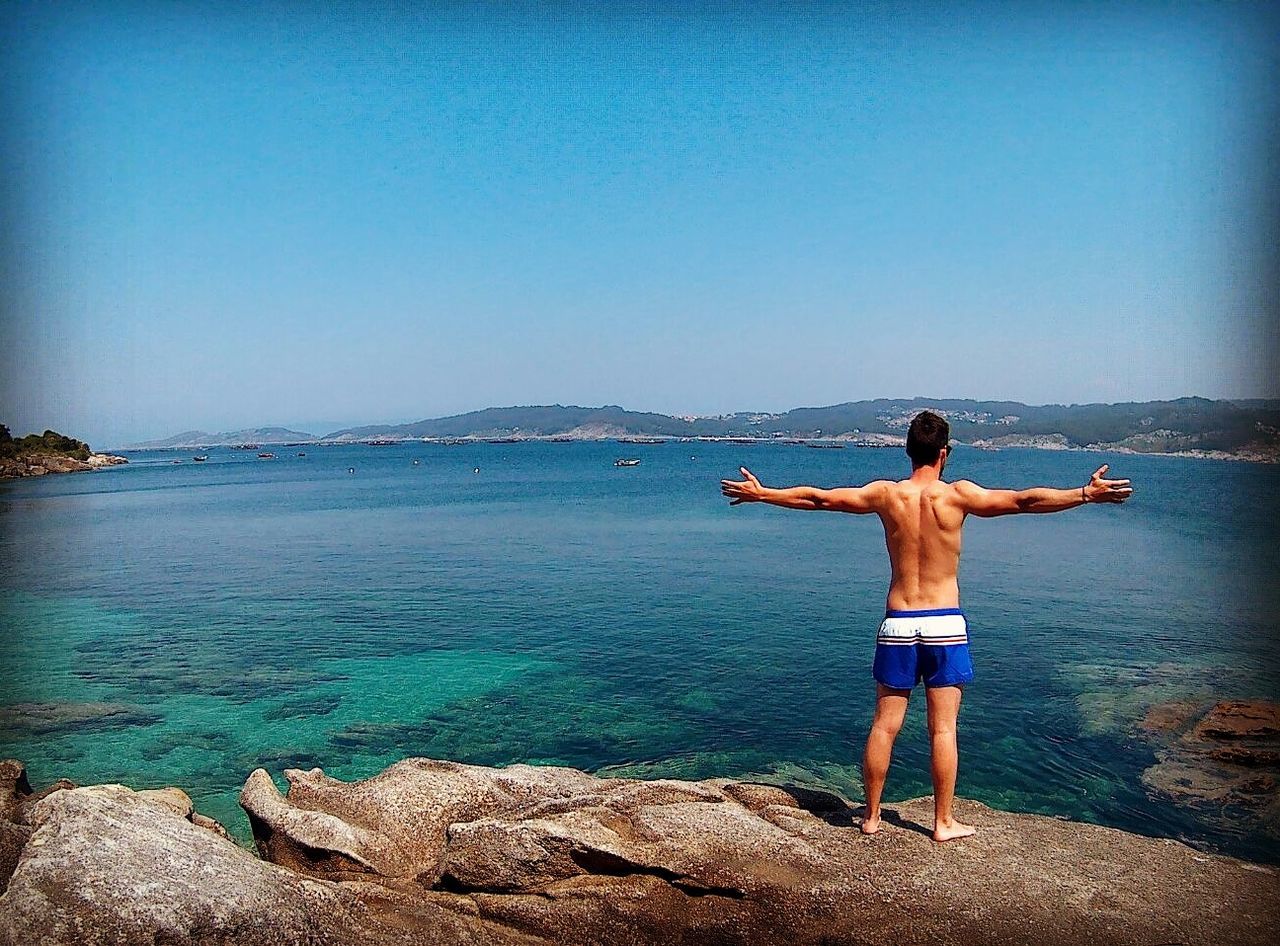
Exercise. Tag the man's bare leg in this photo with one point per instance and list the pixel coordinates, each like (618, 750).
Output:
(944, 708)
(891, 709)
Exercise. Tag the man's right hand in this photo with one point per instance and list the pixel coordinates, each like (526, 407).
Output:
(1106, 491)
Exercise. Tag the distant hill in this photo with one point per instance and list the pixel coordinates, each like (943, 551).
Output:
(1192, 424)
(1184, 424)
(542, 421)
(199, 438)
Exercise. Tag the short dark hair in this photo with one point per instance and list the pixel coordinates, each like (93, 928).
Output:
(926, 437)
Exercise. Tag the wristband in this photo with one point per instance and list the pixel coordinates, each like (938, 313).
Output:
(1083, 498)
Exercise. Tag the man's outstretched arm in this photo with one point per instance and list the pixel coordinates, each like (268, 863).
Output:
(856, 499)
(1003, 502)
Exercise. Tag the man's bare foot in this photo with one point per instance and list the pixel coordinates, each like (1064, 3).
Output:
(952, 830)
(871, 825)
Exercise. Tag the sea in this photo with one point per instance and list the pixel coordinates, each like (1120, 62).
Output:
(172, 622)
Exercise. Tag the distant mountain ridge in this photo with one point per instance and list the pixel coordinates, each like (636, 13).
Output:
(199, 438)
(1192, 424)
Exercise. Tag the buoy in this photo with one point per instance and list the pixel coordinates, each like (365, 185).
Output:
(351, 469)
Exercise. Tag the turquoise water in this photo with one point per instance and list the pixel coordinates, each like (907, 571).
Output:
(183, 624)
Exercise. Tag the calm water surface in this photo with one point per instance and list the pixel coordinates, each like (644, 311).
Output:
(183, 624)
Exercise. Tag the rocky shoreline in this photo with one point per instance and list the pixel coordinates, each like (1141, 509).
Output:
(1252, 453)
(39, 464)
(431, 851)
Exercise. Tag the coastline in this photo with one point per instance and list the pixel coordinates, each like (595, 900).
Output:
(854, 441)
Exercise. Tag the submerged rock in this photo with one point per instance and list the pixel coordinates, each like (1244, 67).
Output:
(431, 852)
(1172, 717)
(1240, 719)
(40, 719)
(1227, 757)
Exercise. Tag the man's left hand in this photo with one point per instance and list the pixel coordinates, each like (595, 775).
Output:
(746, 491)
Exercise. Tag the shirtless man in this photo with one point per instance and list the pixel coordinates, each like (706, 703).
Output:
(924, 635)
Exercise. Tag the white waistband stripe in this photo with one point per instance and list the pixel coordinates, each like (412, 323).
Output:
(931, 629)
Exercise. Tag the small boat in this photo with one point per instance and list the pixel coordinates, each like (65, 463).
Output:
(201, 458)
(302, 454)
(266, 456)
(626, 462)
(825, 446)
(641, 440)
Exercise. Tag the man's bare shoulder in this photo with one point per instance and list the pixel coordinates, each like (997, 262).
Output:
(963, 491)
(880, 489)
(889, 488)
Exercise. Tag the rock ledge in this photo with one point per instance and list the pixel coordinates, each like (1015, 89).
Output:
(431, 851)
(40, 464)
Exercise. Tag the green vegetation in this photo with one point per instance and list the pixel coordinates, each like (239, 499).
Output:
(48, 442)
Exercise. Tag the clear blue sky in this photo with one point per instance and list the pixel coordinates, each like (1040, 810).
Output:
(219, 215)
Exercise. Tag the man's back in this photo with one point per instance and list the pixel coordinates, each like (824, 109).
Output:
(922, 529)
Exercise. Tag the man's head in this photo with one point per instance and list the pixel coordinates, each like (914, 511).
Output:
(926, 438)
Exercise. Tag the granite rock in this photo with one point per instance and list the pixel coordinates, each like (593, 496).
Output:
(575, 859)
(13, 838)
(105, 865)
(14, 788)
(431, 851)
(40, 464)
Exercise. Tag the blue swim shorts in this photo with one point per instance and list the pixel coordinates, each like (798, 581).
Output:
(930, 645)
